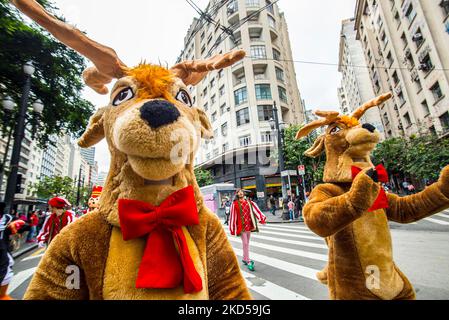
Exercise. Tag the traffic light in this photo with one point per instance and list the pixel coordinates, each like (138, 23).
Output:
(19, 183)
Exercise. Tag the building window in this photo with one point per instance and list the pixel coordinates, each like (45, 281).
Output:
(223, 109)
(395, 78)
(276, 55)
(220, 74)
(206, 107)
(232, 7)
(204, 91)
(425, 63)
(282, 94)
(418, 38)
(401, 98)
(258, 52)
(263, 92)
(222, 91)
(444, 120)
(410, 13)
(215, 134)
(418, 84)
(265, 137)
(252, 3)
(242, 117)
(425, 107)
(270, 8)
(240, 96)
(390, 58)
(444, 4)
(265, 112)
(408, 122)
(212, 99)
(245, 141)
(271, 22)
(436, 91)
(212, 83)
(279, 74)
(224, 129)
(404, 39)
(225, 147)
(214, 116)
(384, 39)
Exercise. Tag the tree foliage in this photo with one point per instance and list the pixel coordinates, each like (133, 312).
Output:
(294, 155)
(421, 156)
(56, 81)
(203, 177)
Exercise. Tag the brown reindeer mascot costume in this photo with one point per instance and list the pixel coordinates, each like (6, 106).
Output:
(352, 211)
(152, 237)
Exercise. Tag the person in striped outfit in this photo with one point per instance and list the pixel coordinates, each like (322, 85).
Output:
(58, 219)
(243, 220)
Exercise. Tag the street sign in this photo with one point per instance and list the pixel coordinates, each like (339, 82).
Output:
(260, 194)
(301, 170)
(287, 173)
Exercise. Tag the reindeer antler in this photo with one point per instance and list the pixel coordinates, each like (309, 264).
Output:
(107, 64)
(192, 72)
(328, 118)
(360, 111)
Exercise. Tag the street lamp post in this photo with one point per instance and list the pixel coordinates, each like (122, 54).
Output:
(279, 128)
(8, 105)
(19, 133)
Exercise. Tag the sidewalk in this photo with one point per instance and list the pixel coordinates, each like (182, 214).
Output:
(278, 218)
(24, 247)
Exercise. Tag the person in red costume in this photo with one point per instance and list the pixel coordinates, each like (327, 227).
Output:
(243, 220)
(58, 219)
(94, 200)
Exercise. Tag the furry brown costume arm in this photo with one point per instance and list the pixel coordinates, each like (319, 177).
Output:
(224, 277)
(433, 199)
(82, 244)
(328, 210)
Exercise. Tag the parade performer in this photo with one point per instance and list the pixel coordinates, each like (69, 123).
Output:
(152, 237)
(8, 226)
(94, 200)
(58, 219)
(243, 220)
(351, 209)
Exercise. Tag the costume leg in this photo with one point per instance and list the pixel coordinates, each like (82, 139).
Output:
(245, 242)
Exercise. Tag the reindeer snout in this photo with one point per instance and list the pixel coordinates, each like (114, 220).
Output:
(369, 127)
(158, 113)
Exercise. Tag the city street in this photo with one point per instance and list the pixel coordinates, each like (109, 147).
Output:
(288, 255)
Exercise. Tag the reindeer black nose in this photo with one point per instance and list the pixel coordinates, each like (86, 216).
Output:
(369, 127)
(158, 113)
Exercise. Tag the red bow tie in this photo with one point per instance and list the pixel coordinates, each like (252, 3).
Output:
(163, 265)
(381, 201)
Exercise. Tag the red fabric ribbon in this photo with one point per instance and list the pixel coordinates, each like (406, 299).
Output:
(381, 201)
(162, 265)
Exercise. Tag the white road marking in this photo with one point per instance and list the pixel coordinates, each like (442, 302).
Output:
(292, 235)
(443, 215)
(20, 278)
(271, 290)
(294, 252)
(280, 264)
(445, 223)
(32, 257)
(286, 229)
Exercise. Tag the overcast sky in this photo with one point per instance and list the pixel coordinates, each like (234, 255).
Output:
(154, 30)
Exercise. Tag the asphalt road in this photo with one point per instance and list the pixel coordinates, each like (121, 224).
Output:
(288, 255)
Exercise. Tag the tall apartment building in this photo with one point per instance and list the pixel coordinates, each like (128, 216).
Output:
(239, 100)
(356, 87)
(406, 46)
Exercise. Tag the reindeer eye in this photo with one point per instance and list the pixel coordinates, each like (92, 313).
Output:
(184, 97)
(335, 130)
(124, 95)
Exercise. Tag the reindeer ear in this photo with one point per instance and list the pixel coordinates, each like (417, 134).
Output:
(316, 149)
(206, 128)
(95, 131)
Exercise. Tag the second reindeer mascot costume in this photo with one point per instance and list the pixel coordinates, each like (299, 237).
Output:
(152, 236)
(352, 210)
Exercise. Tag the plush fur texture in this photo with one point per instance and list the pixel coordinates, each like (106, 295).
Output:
(359, 241)
(147, 164)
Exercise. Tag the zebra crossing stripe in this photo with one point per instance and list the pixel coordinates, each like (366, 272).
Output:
(445, 223)
(288, 226)
(33, 257)
(280, 264)
(286, 229)
(443, 215)
(294, 252)
(269, 289)
(310, 237)
(20, 278)
(299, 243)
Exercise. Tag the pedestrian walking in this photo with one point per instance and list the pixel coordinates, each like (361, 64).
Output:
(272, 205)
(227, 206)
(291, 209)
(56, 221)
(33, 221)
(243, 220)
(9, 225)
(405, 186)
(298, 208)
